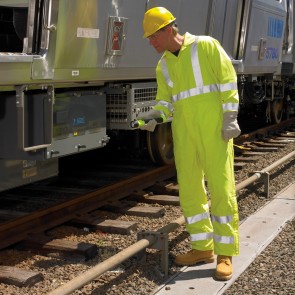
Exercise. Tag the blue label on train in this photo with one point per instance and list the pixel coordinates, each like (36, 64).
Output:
(272, 53)
(78, 121)
(275, 27)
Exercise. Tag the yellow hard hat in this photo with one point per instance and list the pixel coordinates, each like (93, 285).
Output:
(155, 19)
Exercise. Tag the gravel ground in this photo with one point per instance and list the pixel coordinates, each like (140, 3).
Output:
(271, 273)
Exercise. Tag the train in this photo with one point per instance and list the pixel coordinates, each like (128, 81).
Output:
(75, 74)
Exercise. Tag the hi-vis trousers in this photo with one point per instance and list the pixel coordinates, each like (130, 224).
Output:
(201, 152)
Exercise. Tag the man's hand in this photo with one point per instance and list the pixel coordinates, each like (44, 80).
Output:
(151, 114)
(230, 127)
(149, 126)
(150, 117)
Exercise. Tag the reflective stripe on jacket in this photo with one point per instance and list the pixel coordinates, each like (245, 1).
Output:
(203, 69)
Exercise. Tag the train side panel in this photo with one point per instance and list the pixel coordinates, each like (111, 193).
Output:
(14, 173)
(105, 40)
(74, 71)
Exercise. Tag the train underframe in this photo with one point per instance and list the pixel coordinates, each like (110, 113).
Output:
(77, 119)
(269, 100)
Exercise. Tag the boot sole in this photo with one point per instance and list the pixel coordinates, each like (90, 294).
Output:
(223, 278)
(205, 260)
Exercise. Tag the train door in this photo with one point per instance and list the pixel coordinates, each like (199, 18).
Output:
(25, 113)
(26, 32)
(26, 110)
(26, 106)
(225, 22)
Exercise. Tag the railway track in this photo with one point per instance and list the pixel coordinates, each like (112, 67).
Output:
(38, 222)
(20, 227)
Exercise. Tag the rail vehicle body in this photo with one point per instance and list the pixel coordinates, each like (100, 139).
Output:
(75, 73)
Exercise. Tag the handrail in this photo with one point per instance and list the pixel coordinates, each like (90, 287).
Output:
(20, 103)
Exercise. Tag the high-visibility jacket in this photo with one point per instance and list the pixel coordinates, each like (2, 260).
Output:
(197, 87)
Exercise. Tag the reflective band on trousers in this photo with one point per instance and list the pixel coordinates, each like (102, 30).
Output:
(201, 236)
(223, 239)
(196, 218)
(222, 219)
(208, 236)
(200, 87)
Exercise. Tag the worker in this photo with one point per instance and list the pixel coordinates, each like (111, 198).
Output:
(197, 85)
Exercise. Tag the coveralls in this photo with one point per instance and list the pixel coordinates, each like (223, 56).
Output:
(197, 87)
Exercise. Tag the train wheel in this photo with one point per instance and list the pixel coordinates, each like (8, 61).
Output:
(160, 144)
(277, 111)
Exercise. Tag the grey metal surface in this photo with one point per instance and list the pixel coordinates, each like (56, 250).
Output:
(79, 122)
(14, 3)
(76, 40)
(24, 126)
(127, 103)
(76, 123)
(224, 24)
(14, 173)
(261, 48)
(101, 41)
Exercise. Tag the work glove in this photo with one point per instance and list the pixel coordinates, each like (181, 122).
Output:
(150, 119)
(149, 126)
(230, 127)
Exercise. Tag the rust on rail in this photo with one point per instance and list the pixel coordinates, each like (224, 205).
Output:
(18, 229)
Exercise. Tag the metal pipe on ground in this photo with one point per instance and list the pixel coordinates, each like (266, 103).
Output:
(258, 174)
(142, 244)
(113, 261)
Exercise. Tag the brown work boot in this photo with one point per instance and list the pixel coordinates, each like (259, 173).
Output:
(194, 256)
(224, 268)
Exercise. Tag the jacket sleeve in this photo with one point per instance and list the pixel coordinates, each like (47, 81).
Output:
(224, 73)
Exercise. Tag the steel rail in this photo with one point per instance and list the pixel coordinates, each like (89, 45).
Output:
(21, 227)
(132, 250)
(266, 131)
